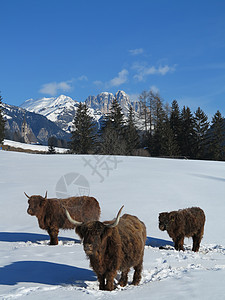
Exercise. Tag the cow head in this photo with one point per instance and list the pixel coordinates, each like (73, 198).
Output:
(163, 220)
(94, 233)
(36, 203)
(168, 221)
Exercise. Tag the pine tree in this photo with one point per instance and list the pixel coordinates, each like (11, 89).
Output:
(116, 116)
(131, 134)
(52, 142)
(84, 134)
(2, 123)
(169, 144)
(187, 138)
(112, 133)
(175, 123)
(201, 126)
(216, 137)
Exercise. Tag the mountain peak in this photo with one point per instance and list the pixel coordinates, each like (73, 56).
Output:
(62, 109)
(53, 108)
(103, 101)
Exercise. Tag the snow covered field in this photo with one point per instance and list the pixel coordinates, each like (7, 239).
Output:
(32, 146)
(31, 269)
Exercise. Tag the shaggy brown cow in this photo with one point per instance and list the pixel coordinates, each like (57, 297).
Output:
(112, 246)
(183, 223)
(51, 212)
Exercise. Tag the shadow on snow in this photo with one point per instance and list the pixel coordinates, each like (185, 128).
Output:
(203, 176)
(44, 273)
(47, 272)
(154, 242)
(29, 237)
(35, 237)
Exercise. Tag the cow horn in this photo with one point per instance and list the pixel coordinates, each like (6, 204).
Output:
(26, 195)
(115, 223)
(46, 195)
(71, 219)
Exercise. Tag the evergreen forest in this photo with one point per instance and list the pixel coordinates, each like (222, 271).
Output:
(157, 130)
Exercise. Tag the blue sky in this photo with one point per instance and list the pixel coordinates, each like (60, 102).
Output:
(81, 48)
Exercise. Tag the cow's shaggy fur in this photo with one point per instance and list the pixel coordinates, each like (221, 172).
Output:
(183, 223)
(51, 212)
(114, 249)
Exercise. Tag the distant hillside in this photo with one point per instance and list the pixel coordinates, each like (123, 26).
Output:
(38, 127)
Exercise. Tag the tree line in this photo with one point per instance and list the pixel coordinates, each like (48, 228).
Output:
(157, 129)
(163, 131)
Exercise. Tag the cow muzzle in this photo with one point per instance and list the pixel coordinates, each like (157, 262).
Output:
(88, 248)
(30, 212)
(162, 227)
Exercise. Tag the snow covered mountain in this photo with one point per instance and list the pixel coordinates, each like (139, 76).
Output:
(103, 102)
(62, 109)
(29, 126)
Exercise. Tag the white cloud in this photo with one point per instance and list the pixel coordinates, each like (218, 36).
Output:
(136, 51)
(165, 69)
(120, 79)
(53, 88)
(154, 89)
(143, 70)
(83, 78)
(98, 83)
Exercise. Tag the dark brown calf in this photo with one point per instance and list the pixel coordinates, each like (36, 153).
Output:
(51, 212)
(183, 223)
(112, 246)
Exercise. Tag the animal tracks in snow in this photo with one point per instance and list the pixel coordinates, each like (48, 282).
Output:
(159, 265)
(171, 263)
(166, 263)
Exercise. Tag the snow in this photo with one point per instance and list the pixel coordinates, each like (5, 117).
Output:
(50, 107)
(7, 117)
(31, 269)
(56, 108)
(34, 147)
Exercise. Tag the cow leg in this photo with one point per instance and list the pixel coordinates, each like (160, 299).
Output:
(101, 280)
(179, 243)
(196, 242)
(110, 281)
(137, 274)
(53, 233)
(124, 278)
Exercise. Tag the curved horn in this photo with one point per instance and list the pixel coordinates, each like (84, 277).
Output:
(76, 223)
(46, 195)
(26, 195)
(115, 223)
